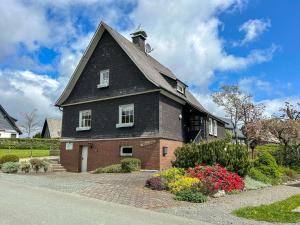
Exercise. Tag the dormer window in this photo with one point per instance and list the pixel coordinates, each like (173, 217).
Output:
(180, 88)
(104, 79)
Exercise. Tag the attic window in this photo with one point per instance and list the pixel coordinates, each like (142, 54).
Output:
(180, 88)
(104, 79)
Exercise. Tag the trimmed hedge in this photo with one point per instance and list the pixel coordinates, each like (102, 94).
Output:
(233, 157)
(28, 143)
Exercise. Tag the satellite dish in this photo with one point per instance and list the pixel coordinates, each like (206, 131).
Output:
(148, 48)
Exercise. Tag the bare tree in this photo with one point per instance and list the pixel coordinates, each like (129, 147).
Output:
(251, 114)
(290, 111)
(240, 108)
(30, 123)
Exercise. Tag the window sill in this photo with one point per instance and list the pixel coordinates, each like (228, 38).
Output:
(82, 128)
(126, 155)
(119, 125)
(102, 85)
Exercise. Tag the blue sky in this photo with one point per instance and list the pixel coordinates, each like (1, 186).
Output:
(206, 43)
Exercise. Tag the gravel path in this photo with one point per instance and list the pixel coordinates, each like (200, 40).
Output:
(218, 211)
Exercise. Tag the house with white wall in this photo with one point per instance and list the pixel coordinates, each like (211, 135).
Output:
(8, 127)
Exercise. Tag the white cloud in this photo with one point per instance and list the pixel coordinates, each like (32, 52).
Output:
(253, 29)
(23, 91)
(191, 44)
(273, 105)
(252, 83)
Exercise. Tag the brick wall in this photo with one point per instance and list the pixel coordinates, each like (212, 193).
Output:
(165, 161)
(102, 153)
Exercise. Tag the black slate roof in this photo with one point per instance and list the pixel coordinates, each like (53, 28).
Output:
(7, 122)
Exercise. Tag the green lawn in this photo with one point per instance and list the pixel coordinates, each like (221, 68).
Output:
(280, 212)
(24, 153)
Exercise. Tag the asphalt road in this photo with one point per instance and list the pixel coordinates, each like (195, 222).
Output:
(28, 205)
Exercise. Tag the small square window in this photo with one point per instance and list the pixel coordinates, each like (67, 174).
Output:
(85, 120)
(180, 88)
(104, 79)
(126, 151)
(165, 151)
(126, 116)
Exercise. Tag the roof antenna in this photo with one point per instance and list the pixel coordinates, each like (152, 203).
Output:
(148, 48)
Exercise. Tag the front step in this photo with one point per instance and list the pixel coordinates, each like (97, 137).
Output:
(56, 167)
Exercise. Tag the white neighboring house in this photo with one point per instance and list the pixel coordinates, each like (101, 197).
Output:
(8, 127)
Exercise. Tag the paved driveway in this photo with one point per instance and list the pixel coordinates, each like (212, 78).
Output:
(21, 204)
(126, 189)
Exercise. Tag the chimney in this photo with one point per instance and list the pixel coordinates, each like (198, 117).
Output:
(138, 38)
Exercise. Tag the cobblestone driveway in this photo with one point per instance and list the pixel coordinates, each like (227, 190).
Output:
(127, 189)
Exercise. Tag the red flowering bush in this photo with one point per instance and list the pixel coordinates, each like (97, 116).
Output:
(218, 176)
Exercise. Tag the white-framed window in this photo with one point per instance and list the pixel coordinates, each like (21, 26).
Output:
(104, 79)
(85, 120)
(69, 146)
(210, 126)
(215, 128)
(180, 88)
(126, 151)
(126, 116)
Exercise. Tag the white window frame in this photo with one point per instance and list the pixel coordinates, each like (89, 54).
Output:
(81, 128)
(126, 154)
(180, 88)
(121, 108)
(215, 128)
(210, 126)
(103, 82)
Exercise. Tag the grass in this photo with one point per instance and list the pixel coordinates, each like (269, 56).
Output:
(280, 212)
(24, 153)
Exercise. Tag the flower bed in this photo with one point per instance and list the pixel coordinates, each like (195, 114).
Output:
(195, 184)
(219, 177)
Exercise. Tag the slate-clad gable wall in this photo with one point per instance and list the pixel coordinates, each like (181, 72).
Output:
(170, 126)
(4, 123)
(105, 116)
(124, 77)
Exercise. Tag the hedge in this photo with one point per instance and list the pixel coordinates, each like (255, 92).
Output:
(233, 157)
(29, 143)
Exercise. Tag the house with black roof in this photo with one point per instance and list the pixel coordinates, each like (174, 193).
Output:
(121, 102)
(8, 127)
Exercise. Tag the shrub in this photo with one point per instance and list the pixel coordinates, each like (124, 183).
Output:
(25, 166)
(156, 183)
(182, 183)
(288, 155)
(233, 157)
(10, 167)
(9, 158)
(219, 176)
(130, 164)
(36, 164)
(190, 196)
(258, 175)
(170, 174)
(267, 165)
(289, 174)
(116, 168)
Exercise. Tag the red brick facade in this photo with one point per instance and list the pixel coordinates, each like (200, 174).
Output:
(106, 152)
